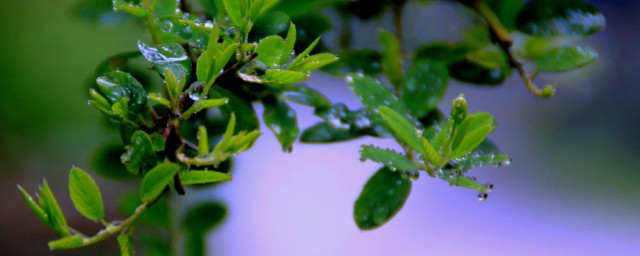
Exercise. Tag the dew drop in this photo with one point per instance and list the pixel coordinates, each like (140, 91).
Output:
(482, 196)
(489, 187)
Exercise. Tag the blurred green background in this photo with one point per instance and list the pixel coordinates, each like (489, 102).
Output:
(572, 188)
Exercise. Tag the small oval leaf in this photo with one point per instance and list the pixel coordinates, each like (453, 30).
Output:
(381, 198)
(85, 194)
(566, 58)
(560, 18)
(157, 180)
(202, 177)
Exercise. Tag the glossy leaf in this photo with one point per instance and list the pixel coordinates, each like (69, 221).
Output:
(389, 158)
(324, 133)
(285, 76)
(423, 87)
(506, 11)
(484, 67)
(381, 198)
(68, 242)
(560, 18)
(169, 56)
(271, 23)
(566, 58)
(125, 242)
(157, 180)
(391, 57)
(85, 195)
(165, 7)
(282, 121)
(477, 160)
(128, 6)
(364, 61)
(304, 95)
(49, 204)
(404, 131)
(372, 93)
(270, 50)
(117, 85)
(471, 132)
(314, 62)
(462, 181)
(290, 43)
(202, 177)
(304, 54)
(140, 155)
(183, 31)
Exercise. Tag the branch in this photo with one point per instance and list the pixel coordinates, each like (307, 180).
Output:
(501, 35)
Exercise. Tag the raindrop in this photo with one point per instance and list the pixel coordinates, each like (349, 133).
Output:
(482, 196)
(489, 187)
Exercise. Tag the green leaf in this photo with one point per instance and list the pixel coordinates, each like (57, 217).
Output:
(430, 153)
(423, 87)
(560, 18)
(444, 52)
(85, 195)
(40, 213)
(270, 51)
(169, 56)
(68, 242)
(271, 23)
(125, 241)
(372, 93)
(483, 67)
(183, 31)
(391, 57)
(507, 11)
(288, 46)
(203, 141)
(389, 158)
(304, 53)
(324, 133)
(157, 180)
(236, 9)
(381, 198)
(314, 62)
(462, 181)
(285, 76)
(471, 132)
(404, 131)
(203, 177)
(472, 161)
(197, 222)
(140, 155)
(304, 95)
(203, 217)
(247, 117)
(300, 7)
(49, 204)
(136, 10)
(364, 61)
(165, 7)
(117, 85)
(566, 58)
(282, 121)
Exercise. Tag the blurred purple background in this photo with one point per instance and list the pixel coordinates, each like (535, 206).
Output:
(572, 188)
